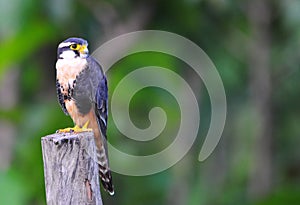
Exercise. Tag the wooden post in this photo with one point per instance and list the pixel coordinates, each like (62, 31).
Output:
(70, 168)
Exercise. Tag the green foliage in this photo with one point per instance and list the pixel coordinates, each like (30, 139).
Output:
(22, 45)
(29, 33)
(284, 195)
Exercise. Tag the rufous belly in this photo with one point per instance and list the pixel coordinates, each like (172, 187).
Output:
(80, 119)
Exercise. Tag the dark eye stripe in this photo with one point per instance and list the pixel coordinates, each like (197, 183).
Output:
(66, 48)
(77, 53)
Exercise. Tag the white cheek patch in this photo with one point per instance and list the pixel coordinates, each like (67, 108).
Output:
(67, 54)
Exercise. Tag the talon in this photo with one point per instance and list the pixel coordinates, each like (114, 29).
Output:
(85, 126)
(76, 128)
(68, 129)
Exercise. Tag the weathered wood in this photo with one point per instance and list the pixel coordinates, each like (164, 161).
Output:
(70, 168)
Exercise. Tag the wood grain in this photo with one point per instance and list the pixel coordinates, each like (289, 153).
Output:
(70, 169)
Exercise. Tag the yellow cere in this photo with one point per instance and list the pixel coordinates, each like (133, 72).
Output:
(82, 48)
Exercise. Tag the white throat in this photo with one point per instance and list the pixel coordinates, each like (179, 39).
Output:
(67, 54)
(68, 69)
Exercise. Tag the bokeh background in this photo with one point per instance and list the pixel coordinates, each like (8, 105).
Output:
(255, 47)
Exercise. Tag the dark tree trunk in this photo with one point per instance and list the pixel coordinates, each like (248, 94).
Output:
(259, 16)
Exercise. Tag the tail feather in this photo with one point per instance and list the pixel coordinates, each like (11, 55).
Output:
(106, 181)
(104, 172)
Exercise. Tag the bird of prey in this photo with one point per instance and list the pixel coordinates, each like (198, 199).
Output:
(82, 93)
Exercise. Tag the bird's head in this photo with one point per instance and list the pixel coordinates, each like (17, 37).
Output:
(73, 48)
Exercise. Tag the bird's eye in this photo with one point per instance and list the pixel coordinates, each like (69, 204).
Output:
(74, 46)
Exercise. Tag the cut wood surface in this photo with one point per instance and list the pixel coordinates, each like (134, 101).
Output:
(70, 169)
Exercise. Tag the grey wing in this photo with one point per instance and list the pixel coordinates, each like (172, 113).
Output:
(99, 91)
(60, 97)
(101, 105)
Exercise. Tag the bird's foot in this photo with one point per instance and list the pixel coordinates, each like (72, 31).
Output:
(85, 127)
(77, 129)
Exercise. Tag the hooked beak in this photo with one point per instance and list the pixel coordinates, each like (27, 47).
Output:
(84, 50)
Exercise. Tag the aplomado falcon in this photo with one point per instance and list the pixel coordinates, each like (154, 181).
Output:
(82, 93)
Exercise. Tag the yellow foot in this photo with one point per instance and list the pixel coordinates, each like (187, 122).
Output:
(76, 129)
(85, 126)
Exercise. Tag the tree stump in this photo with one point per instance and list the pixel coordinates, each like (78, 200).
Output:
(70, 169)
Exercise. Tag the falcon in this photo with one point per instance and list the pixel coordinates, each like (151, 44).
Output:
(82, 93)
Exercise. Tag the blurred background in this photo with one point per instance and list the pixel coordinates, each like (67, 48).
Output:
(255, 45)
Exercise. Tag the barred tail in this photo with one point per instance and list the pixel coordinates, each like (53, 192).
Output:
(104, 171)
